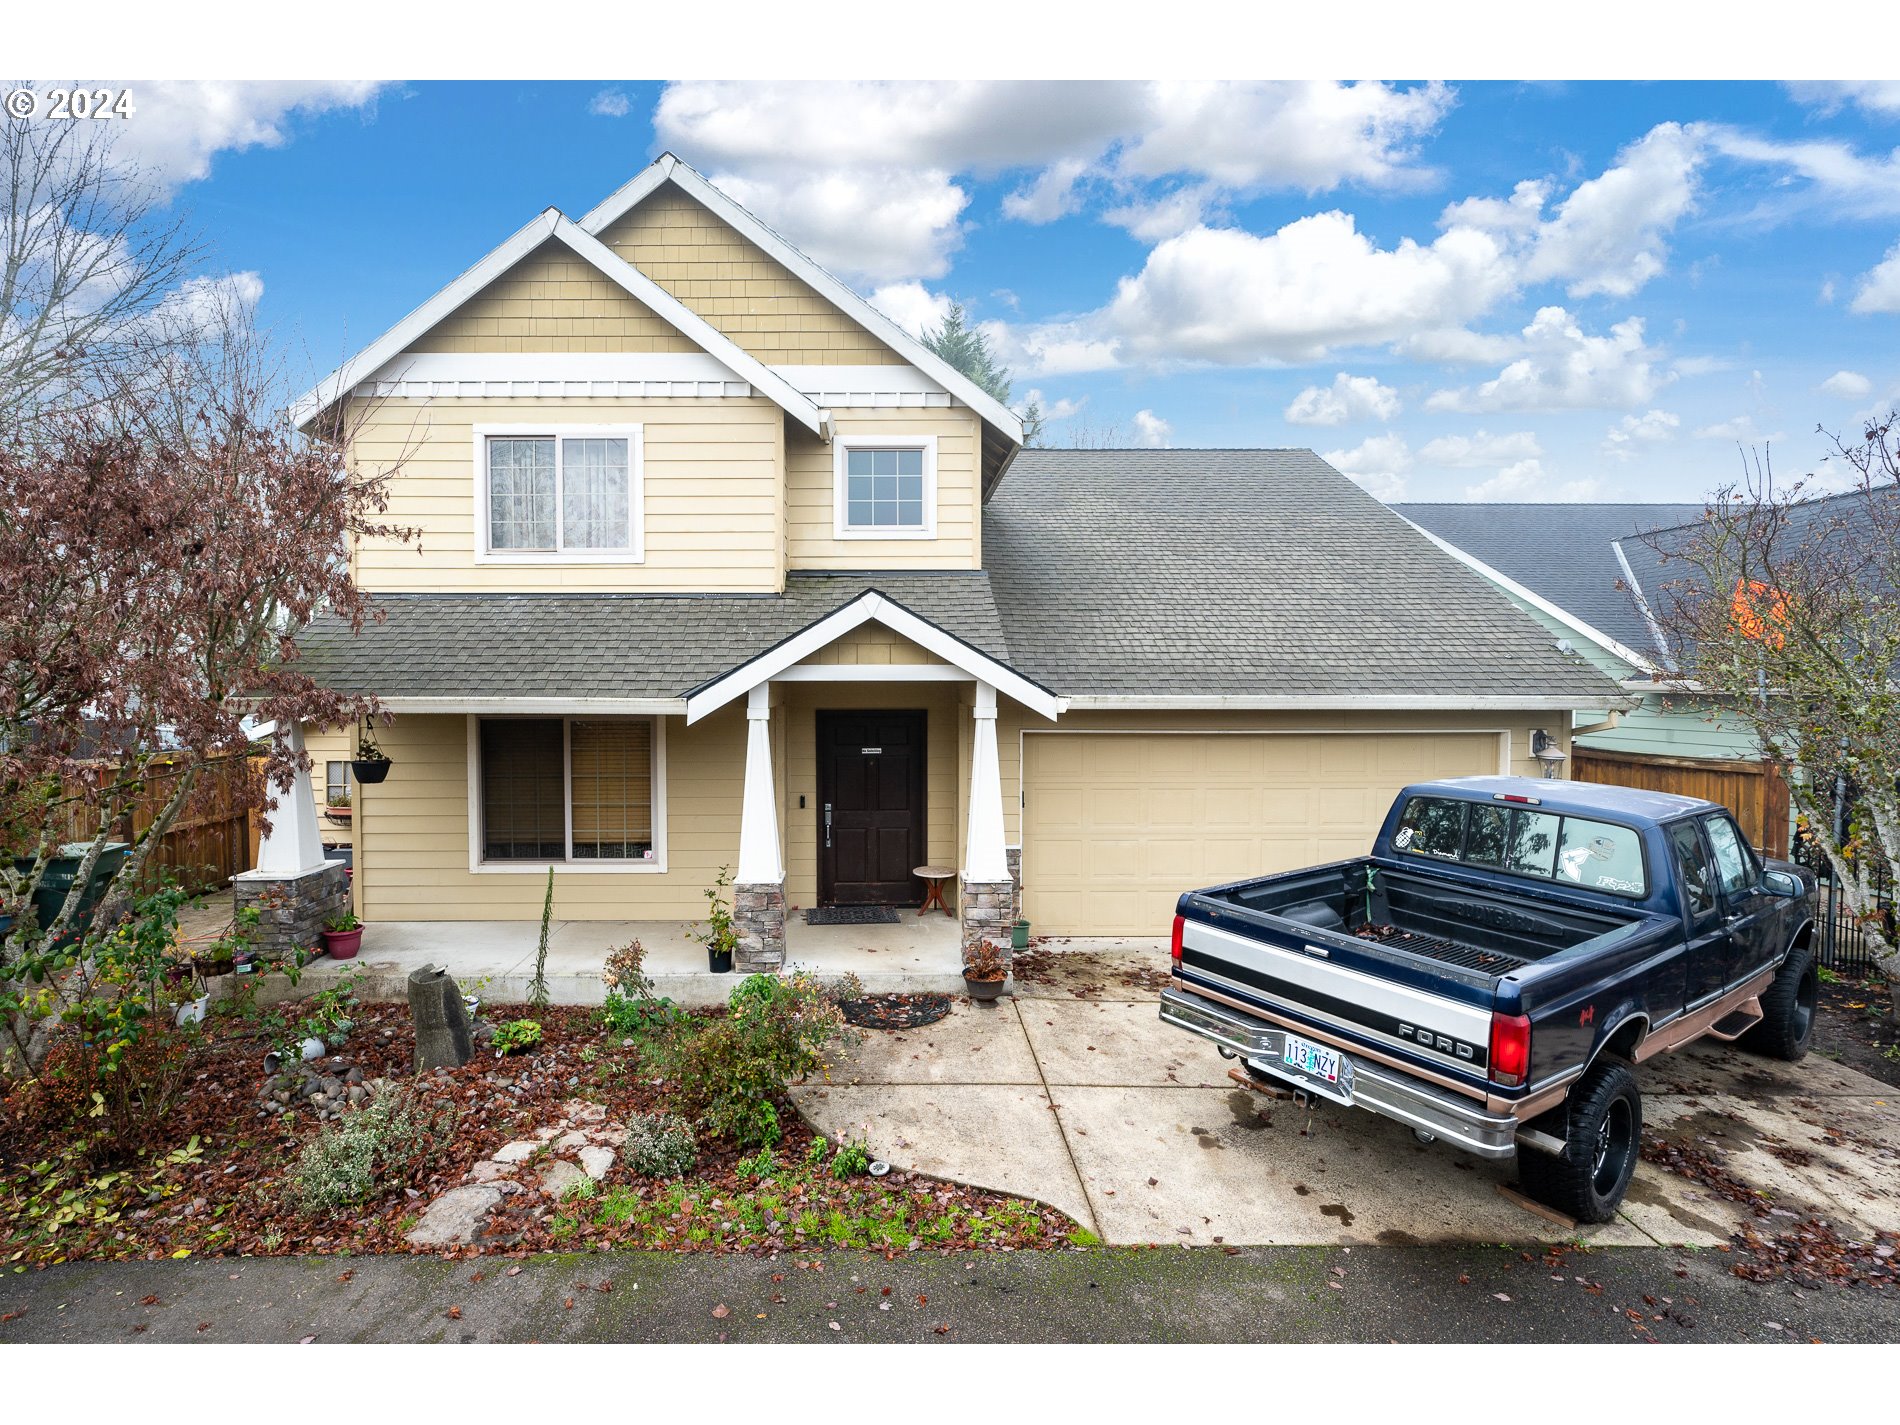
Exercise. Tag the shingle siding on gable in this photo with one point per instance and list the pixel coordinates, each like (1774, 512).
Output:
(734, 285)
(552, 300)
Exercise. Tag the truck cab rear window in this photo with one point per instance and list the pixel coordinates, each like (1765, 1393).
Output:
(1525, 842)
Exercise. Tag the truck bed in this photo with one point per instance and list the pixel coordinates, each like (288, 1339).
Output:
(1419, 914)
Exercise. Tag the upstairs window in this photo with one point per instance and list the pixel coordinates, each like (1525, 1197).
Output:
(559, 493)
(886, 487)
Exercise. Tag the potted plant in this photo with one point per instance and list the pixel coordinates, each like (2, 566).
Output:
(1019, 934)
(371, 764)
(719, 938)
(342, 936)
(338, 808)
(985, 968)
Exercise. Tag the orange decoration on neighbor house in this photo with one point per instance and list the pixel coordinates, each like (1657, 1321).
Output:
(1756, 609)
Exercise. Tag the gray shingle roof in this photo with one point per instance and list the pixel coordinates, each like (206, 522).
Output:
(1561, 552)
(610, 645)
(1245, 572)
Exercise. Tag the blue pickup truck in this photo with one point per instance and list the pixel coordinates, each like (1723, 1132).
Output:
(1493, 971)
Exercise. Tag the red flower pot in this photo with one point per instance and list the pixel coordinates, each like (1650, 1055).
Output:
(342, 944)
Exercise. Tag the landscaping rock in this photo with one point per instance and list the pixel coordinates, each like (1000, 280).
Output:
(488, 1171)
(571, 1140)
(560, 1175)
(518, 1151)
(455, 1218)
(597, 1162)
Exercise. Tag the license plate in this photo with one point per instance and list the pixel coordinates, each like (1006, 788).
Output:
(1313, 1060)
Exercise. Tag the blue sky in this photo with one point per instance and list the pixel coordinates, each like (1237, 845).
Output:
(1454, 291)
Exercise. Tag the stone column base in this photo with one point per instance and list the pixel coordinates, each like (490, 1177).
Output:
(758, 915)
(292, 909)
(1014, 855)
(985, 910)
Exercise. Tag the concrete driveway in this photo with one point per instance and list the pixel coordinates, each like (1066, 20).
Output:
(1074, 1092)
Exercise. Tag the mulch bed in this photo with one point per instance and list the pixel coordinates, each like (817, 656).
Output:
(1085, 974)
(235, 1198)
(895, 1011)
(1855, 1027)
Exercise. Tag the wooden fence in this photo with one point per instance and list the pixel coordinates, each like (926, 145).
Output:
(214, 837)
(1754, 791)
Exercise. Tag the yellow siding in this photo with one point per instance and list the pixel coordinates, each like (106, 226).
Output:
(713, 495)
(734, 285)
(330, 745)
(810, 484)
(553, 300)
(872, 643)
(943, 824)
(413, 848)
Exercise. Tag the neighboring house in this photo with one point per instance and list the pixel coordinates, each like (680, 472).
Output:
(1591, 575)
(719, 567)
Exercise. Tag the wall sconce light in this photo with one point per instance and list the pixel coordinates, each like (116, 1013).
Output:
(1545, 749)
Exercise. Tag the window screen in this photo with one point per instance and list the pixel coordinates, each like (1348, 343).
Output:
(524, 810)
(594, 494)
(613, 790)
(884, 489)
(521, 493)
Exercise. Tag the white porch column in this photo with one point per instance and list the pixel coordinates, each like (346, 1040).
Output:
(293, 844)
(984, 861)
(759, 859)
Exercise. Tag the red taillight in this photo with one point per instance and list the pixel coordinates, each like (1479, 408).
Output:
(1510, 1049)
(1174, 947)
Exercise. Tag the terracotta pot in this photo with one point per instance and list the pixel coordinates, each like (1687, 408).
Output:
(983, 991)
(342, 944)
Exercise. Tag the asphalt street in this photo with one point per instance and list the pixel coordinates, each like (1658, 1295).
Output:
(1169, 1294)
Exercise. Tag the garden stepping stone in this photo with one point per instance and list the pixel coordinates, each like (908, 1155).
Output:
(573, 1139)
(456, 1218)
(597, 1162)
(518, 1151)
(560, 1175)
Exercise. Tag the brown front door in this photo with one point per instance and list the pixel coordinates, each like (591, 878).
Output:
(870, 807)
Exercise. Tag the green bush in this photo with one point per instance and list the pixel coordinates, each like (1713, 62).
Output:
(733, 1071)
(516, 1035)
(852, 1160)
(660, 1145)
(636, 1017)
(370, 1151)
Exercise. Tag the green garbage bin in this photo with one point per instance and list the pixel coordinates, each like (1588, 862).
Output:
(63, 870)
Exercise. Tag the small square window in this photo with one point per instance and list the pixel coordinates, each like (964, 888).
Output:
(886, 490)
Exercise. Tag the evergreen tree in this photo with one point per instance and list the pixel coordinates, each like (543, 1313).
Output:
(966, 348)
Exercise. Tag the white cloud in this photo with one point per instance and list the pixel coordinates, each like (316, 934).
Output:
(1607, 236)
(1156, 217)
(1564, 368)
(1879, 290)
(1827, 292)
(1470, 452)
(1458, 346)
(1377, 465)
(201, 303)
(1519, 214)
(911, 305)
(1229, 296)
(177, 126)
(1064, 348)
(1151, 431)
(1051, 195)
(1848, 385)
(880, 224)
(1650, 428)
(1880, 97)
(1849, 183)
(1349, 398)
(1527, 480)
(1739, 428)
(1059, 409)
(610, 104)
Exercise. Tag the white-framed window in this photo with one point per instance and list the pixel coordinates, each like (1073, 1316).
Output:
(583, 794)
(885, 487)
(571, 494)
(338, 788)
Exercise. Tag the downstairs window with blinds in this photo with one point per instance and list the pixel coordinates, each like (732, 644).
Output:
(568, 789)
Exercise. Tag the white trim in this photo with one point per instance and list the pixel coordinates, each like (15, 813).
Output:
(984, 860)
(633, 434)
(1642, 603)
(425, 375)
(866, 607)
(668, 168)
(477, 866)
(873, 673)
(858, 387)
(1382, 702)
(761, 861)
(1538, 602)
(538, 707)
(551, 224)
(841, 448)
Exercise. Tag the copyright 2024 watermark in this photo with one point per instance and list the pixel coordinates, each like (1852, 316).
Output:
(70, 104)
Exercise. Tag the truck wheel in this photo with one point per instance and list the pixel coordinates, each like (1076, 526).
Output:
(1601, 1145)
(1787, 1005)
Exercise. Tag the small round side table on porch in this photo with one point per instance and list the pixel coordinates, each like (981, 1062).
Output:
(933, 879)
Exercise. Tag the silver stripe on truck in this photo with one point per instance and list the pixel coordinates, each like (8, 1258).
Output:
(1444, 1017)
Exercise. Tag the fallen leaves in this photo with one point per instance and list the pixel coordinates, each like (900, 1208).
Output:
(721, 1311)
(454, 1313)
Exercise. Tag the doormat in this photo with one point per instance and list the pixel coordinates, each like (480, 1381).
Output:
(895, 1011)
(851, 915)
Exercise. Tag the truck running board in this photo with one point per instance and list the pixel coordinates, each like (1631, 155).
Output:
(1737, 1022)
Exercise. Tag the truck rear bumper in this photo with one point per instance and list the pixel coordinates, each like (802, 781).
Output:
(1458, 1120)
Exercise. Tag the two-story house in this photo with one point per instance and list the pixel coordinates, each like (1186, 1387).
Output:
(721, 567)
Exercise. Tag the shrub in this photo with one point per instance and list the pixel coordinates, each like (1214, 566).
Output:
(733, 1070)
(516, 1035)
(624, 972)
(660, 1145)
(371, 1150)
(851, 1160)
(758, 1167)
(634, 1017)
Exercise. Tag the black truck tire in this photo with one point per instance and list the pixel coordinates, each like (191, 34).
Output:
(1787, 1007)
(1602, 1141)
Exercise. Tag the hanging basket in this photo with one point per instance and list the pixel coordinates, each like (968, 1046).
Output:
(370, 771)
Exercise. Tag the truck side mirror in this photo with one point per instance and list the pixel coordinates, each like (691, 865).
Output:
(1781, 883)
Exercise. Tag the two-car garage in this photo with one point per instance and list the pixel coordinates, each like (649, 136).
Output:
(1115, 825)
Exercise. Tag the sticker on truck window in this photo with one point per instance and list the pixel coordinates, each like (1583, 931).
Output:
(1404, 838)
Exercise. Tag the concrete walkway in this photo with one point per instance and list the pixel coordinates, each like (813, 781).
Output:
(1076, 1094)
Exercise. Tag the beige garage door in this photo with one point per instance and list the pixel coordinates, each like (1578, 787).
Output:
(1117, 825)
